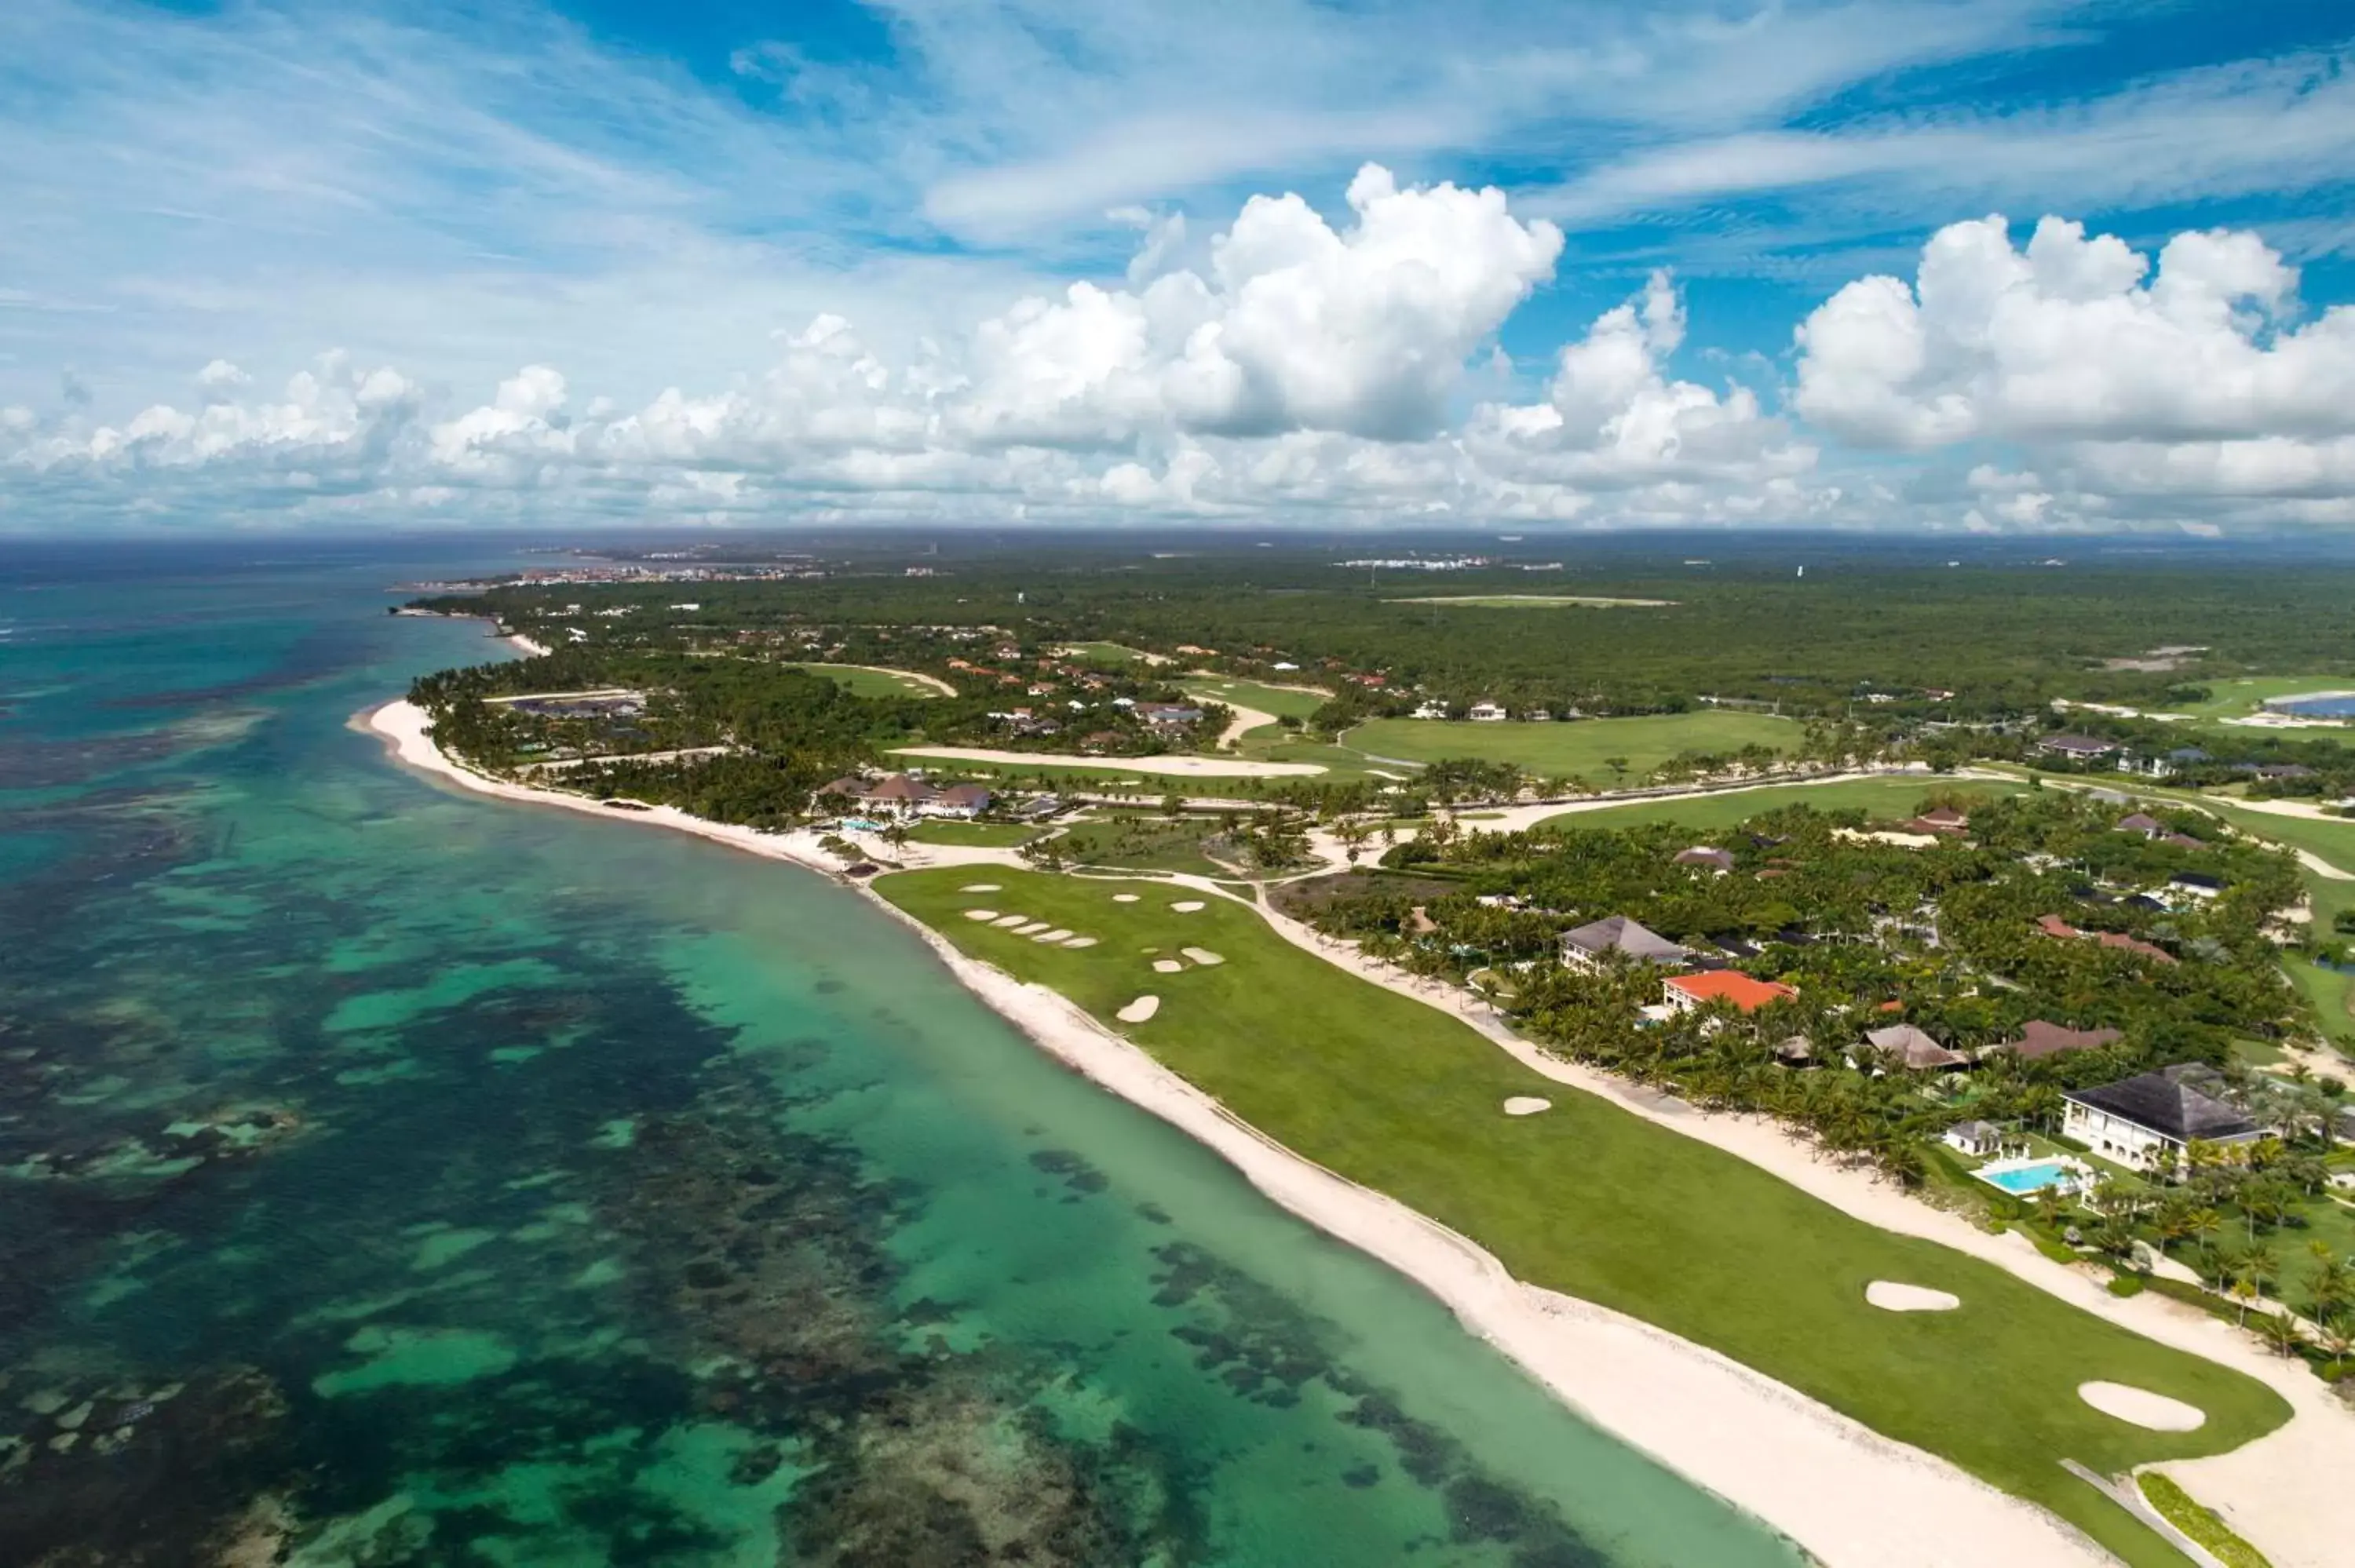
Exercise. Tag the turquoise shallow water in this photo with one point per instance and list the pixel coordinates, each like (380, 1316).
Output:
(392, 1176)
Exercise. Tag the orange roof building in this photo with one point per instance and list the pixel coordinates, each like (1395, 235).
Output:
(1688, 992)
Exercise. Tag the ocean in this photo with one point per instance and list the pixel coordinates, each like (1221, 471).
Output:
(394, 1176)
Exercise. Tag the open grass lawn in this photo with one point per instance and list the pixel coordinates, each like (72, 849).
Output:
(1144, 844)
(1894, 799)
(980, 835)
(866, 681)
(1589, 1200)
(1576, 748)
(1106, 653)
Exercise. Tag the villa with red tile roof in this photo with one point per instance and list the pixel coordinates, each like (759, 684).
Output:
(1688, 992)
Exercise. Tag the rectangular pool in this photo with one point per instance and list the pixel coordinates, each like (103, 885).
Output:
(2021, 1178)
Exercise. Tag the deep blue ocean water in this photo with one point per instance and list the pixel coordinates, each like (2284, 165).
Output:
(390, 1176)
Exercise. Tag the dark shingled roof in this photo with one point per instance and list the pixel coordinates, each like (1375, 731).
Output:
(2166, 1102)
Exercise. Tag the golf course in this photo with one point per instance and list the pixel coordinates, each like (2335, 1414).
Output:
(1595, 1202)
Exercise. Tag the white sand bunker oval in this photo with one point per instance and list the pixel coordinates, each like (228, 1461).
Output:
(1058, 934)
(1890, 1296)
(1167, 966)
(1203, 956)
(1527, 1105)
(1030, 928)
(1124, 899)
(979, 887)
(1078, 941)
(1011, 920)
(981, 914)
(1187, 905)
(2141, 1407)
(1137, 1012)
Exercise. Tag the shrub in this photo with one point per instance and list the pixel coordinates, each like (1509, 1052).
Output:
(2125, 1284)
(2201, 1524)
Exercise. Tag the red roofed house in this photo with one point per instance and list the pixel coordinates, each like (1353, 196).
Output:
(1687, 993)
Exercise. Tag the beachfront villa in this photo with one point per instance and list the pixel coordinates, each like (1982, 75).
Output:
(1690, 994)
(1590, 946)
(2147, 1121)
(902, 795)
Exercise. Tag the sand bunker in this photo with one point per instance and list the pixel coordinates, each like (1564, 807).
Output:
(979, 887)
(1891, 1297)
(1011, 920)
(1527, 1105)
(981, 914)
(1058, 934)
(1030, 928)
(2142, 1407)
(1202, 956)
(1187, 905)
(1124, 899)
(1167, 966)
(1078, 941)
(1137, 1012)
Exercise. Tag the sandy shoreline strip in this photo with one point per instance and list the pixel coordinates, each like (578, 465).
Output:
(1849, 1497)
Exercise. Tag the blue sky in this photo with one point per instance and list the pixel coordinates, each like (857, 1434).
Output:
(286, 264)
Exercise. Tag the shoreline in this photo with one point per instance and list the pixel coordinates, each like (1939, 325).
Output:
(1843, 1493)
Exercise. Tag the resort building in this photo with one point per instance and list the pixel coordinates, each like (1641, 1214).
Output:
(1488, 712)
(1591, 946)
(1690, 993)
(2076, 748)
(1717, 860)
(2147, 1121)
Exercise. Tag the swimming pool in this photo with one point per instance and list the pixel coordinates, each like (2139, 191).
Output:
(2022, 1177)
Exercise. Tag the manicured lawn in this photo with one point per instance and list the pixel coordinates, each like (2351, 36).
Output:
(1576, 748)
(1105, 654)
(1591, 1200)
(866, 681)
(1877, 798)
(982, 835)
(1277, 700)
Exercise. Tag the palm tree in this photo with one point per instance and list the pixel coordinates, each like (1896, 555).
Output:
(2282, 1332)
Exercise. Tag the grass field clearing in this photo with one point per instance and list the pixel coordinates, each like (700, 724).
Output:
(1877, 798)
(1591, 1201)
(971, 835)
(1281, 701)
(1576, 748)
(873, 680)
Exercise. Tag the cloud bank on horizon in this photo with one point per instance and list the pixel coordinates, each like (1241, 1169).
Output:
(1678, 264)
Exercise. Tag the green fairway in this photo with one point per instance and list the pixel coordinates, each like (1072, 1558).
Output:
(1877, 798)
(1110, 653)
(1578, 748)
(870, 681)
(979, 835)
(1591, 1201)
(1281, 701)
(2239, 698)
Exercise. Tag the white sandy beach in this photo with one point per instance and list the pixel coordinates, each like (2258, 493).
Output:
(1852, 1498)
